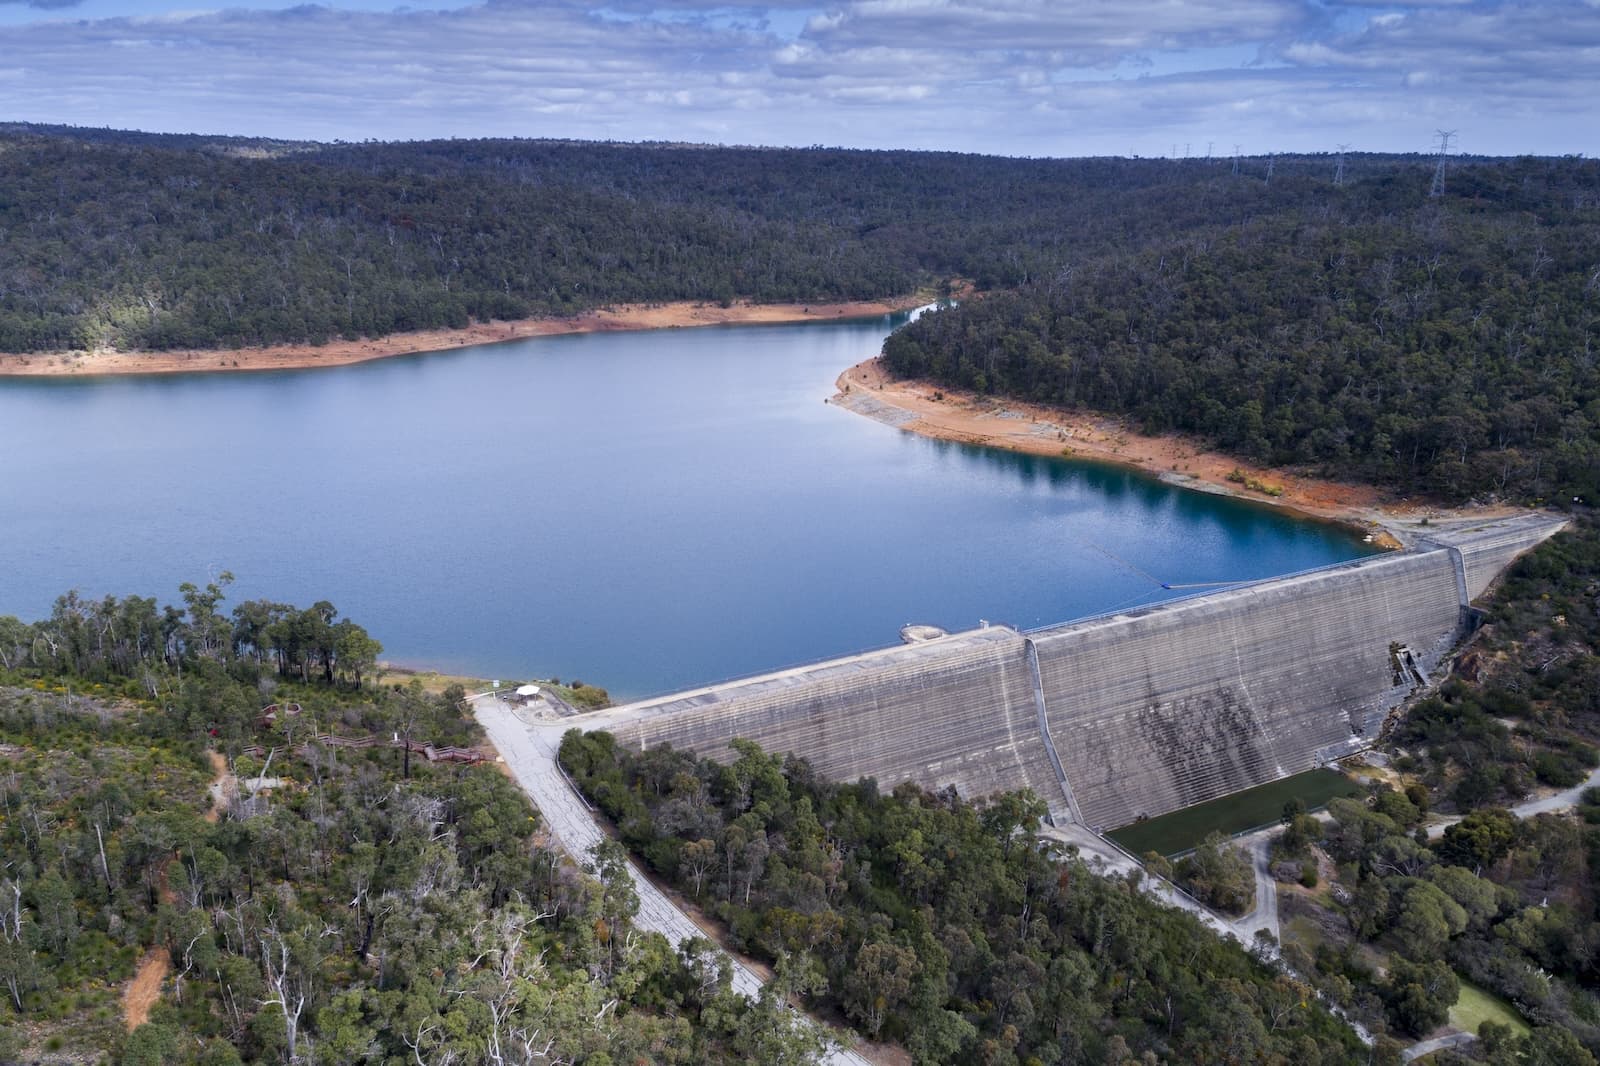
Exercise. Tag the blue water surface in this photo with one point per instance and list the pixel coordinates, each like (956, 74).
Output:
(643, 511)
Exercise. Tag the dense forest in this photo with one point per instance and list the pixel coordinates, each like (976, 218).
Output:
(160, 242)
(324, 903)
(145, 241)
(1446, 345)
(946, 927)
(1436, 344)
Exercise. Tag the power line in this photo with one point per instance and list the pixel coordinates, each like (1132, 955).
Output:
(1438, 171)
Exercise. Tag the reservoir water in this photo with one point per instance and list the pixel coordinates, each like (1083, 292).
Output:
(643, 511)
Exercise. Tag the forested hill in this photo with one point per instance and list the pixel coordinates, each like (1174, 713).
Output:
(339, 895)
(1447, 345)
(1443, 344)
(141, 241)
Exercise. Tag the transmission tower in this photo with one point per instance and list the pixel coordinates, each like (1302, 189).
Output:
(1272, 161)
(1236, 160)
(1338, 171)
(1208, 150)
(1438, 170)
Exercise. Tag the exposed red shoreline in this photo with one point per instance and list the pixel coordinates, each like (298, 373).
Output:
(344, 353)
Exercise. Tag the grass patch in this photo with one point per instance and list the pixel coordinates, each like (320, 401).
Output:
(1239, 477)
(1303, 931)
(432, 681)
(1179, 831)
(1477, 1006)
(583, 697)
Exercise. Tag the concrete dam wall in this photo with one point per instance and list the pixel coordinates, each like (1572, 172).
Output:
(1173, 706)
(1127, 715)
(959, 710)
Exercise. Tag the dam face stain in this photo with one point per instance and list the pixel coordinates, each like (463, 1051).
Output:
(1205, 741)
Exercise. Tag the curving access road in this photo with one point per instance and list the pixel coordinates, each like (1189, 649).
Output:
(529, 745)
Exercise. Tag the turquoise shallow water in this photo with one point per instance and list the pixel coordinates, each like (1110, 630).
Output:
(643, 511)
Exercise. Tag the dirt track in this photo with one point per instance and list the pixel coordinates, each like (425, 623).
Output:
(144, 990)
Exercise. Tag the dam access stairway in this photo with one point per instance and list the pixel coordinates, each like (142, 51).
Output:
(1126, 715)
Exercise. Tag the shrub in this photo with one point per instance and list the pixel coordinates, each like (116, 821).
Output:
(1218, 876)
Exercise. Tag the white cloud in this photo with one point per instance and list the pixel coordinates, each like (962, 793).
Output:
(1099, 31)
(1018, 76)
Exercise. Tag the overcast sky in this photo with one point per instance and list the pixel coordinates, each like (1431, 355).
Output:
(1016, 77)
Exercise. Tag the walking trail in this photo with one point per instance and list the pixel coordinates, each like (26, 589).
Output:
(144, 990)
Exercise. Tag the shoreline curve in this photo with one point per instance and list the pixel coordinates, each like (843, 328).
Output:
(615, 318)
(961, 417)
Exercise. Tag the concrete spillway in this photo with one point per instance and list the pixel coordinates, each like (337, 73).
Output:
(1127, 715)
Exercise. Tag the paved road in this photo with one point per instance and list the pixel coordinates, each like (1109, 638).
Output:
(529, 749)
(1564, 800)
(1265, 916)
(1099, 851)
(1438, 1043)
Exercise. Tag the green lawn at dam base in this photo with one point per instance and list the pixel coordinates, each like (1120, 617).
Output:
(1178, 832)
(1475, 1006)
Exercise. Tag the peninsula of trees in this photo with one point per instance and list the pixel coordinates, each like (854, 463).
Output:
(1448, 345)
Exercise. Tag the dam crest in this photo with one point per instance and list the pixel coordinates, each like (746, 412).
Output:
(1129, 714)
